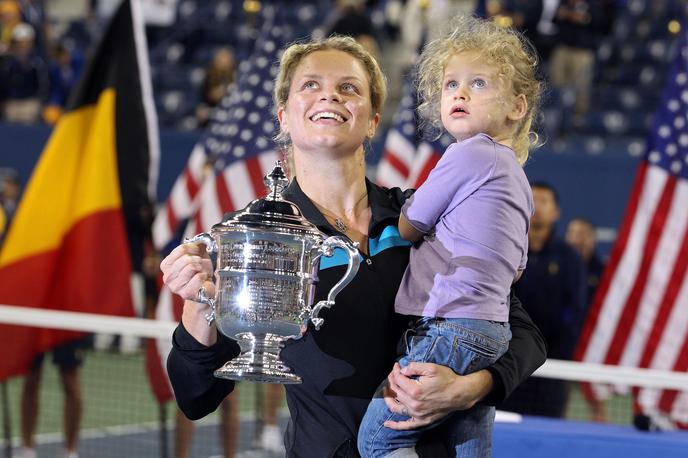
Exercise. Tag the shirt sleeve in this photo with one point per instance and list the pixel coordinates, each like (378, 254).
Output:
(462, 169)
(190, 367)
(527, 351)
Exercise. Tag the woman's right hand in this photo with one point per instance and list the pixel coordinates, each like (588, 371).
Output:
(186, 269)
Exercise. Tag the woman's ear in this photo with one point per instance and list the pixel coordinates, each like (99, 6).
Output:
(519, 109)
(282, 119)
(372, 125)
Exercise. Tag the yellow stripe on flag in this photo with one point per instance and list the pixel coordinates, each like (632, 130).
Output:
(77, 171)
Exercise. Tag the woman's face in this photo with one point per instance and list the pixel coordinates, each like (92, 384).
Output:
(329, 106)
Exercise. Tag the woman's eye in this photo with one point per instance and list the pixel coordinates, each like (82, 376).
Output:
(348, 87)
(310, 85)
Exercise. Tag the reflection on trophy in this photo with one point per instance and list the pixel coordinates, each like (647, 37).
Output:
(266, 269)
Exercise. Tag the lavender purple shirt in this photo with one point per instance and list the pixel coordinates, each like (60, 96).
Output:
(475, 210)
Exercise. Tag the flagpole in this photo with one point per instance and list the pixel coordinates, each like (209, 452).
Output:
(6, 425)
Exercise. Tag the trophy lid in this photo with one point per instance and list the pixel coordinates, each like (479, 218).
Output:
(271, 212)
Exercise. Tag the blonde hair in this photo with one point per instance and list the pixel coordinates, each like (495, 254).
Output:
(294, 54)
(511, 53)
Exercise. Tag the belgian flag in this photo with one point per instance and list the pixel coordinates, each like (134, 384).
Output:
(70, 244)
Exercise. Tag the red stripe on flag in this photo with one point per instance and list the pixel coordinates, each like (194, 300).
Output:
(668, 302)
(198, 224)
(396, 163)
(156, 374)
(630, 310)
(614, 259)
(427, 168)
(171, 217)
(668, 397)
(223, 194)
(255, 173)
(191, 185)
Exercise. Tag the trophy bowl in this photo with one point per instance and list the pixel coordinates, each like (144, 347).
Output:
(267, 258)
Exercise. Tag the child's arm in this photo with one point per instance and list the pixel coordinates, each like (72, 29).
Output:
(407, 231)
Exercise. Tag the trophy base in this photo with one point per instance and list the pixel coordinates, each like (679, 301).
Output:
(258, 362)
(234, 370)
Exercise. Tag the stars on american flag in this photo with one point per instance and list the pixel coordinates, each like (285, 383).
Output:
(669, 147)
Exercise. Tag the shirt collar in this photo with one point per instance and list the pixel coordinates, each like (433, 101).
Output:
(385, 205)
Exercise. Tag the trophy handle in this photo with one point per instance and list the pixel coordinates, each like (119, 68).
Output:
(327, 249)
(206, 239)
(211, 248)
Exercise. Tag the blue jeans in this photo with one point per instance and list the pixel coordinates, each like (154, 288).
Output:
(462, 344)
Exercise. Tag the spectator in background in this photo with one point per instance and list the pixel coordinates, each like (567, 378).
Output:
(581, 25)
(423, 21)
(10, 17)
(219, 76)
(553, 292)
(523, 15)
(69, 358)
(351, 19)
(10, 188)
(3, 224)
(63, 70)
(271, 435)
(24, 78)
(580, 234)
(33, 13)
(228, 429)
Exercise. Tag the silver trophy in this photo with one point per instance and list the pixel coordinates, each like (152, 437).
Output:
(266, 268)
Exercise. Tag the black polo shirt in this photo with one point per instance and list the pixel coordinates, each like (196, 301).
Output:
(343, 363)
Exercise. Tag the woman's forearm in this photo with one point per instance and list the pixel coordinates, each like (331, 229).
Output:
(471, 389)
(527, 351)
(196, 323)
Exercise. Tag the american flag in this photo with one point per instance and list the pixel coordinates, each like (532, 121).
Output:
(408, 157)
(225, 170)
(639, 316)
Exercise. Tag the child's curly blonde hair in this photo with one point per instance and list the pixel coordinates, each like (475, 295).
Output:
(513, 56)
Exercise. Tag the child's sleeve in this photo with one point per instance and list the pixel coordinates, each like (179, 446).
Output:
(462, 169)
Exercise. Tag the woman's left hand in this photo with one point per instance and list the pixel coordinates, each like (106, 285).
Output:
(432, 393)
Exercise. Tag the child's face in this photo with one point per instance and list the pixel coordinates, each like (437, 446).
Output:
(473, 101)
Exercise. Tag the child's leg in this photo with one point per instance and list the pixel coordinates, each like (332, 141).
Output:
(374, 439)
(465, 346)
(470, 431)
(475, 344)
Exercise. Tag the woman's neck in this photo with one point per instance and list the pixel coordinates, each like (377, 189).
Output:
(337, 184)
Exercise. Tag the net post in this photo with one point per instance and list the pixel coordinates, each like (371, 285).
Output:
(6, 420)
(162, 415)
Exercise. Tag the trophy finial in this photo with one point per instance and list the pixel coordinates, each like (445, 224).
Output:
(276, 181)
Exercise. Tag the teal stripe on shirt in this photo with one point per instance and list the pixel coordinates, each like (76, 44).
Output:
(389, 238)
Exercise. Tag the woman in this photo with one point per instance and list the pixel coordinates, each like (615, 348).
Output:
(329, 95)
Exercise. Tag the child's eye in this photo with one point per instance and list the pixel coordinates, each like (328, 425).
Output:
(310, 85)
(479, 83)
(452, 85)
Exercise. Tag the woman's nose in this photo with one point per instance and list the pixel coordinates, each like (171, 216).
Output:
(332, 95)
